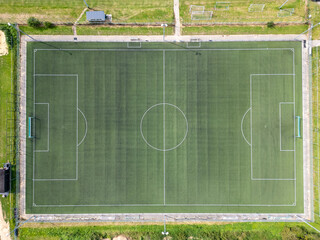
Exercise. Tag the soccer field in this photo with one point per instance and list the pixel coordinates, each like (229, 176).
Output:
(210, 127)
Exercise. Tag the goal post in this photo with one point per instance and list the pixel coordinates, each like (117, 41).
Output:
(196, 8)
(256, 8)
(201, 15)
(286, 12)
(223, 6)
(299, 126)
(30, 127)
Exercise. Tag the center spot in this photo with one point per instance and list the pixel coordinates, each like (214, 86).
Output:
(164, 127)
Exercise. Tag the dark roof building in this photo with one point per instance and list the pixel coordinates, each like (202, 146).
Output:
(5, 180)
(96, 16)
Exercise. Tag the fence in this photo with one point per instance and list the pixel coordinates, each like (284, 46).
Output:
(316, 131)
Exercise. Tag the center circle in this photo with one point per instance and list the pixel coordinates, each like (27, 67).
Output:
(164, 127)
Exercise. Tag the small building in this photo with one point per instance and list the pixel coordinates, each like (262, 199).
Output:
(96, 16)
(5, 180)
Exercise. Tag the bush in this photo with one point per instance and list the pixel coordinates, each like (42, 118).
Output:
(270, 24)
(33, 22)
(11, 34)
(48, 25)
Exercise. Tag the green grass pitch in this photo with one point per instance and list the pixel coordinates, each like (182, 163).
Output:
(164, 127)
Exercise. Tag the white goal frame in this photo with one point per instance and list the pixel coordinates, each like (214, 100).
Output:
(224, 6)
(202, 15)
(256, 7)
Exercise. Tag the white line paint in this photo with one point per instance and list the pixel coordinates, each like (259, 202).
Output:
(86, 124)
(242, 127)
(164, 103)
(34, 112)
(160, 50)
(164, 125)
(175, 205)
(294, 124)
(141, 127)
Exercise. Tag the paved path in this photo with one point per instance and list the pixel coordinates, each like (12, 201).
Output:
(74, 27)
(170, 38)
(307, 131)
(177, 28)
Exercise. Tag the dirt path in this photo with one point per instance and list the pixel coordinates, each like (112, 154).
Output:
(177, 29)
(74, 27)
(4, 227)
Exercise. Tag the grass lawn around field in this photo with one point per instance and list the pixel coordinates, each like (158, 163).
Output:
(238, 11)
(176, 231)
(6, 62)
(238, 30)
(61, 11)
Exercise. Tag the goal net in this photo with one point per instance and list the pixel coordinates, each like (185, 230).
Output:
(256, 7)
(30, 127)
(224, 6)
(196, 8)
(285, 12)
(201, 15)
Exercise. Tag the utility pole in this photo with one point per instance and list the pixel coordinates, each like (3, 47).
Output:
(164, 25)
(165, 233)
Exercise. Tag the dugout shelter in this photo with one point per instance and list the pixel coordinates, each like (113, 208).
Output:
(5, 180)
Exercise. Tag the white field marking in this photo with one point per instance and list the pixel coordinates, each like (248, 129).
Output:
(242, 127)
(317, 106)
(57, 75)
(174, 205)
(55, 179)
(48, 141)
(86, 122)
(271, 179)
(249, 205)
(164, 125)
(294, 124)
(128, 45)
(77, 129)
(159, 50)
(159, 149)
(34, 111)
(280, 104)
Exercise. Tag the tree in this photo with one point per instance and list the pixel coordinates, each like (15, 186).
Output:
(48, 24)
(270, 24)
(33, 22)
